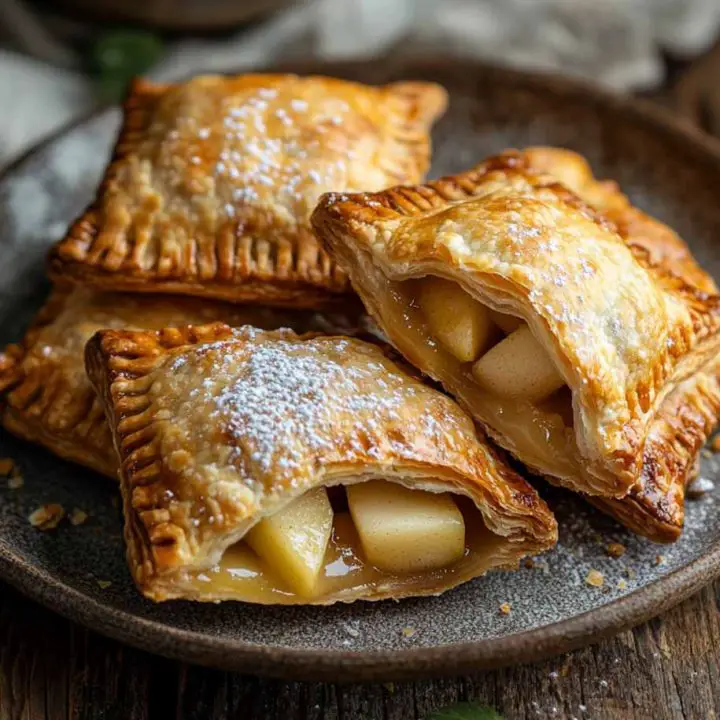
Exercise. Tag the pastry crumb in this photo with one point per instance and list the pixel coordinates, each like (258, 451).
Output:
(660, 559)
(78, 516)
(505, 608)
(408, 632)
(104, 584)
(6, 466)
(47, 517)
(595, 578)
(706, 453)
(529, 563)
(622, 584)
(351, 628)
(699, 487)
(615, 550)
(390, 687)
(629, 572)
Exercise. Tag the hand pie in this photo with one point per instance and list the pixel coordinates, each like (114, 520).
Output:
(45, 395)
(275, 468)
(655, 506)
(530, 308)
(213, 180)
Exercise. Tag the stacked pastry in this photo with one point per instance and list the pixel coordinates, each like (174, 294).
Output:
(307, 465)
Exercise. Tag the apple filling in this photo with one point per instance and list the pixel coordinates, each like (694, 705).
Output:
(293, 542)
(373, 534)
(493, 362)
(506, 358)
(518, 367)
(406, 531)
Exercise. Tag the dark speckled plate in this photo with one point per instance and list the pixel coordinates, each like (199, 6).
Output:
(668, 170)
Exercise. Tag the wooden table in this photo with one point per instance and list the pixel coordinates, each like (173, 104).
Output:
(53, 669)
(669, 668)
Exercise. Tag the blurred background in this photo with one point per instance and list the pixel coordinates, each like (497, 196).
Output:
(61, 58)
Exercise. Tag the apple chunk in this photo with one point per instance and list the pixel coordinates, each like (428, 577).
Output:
(293, 541)
(406, 531)
(518, 367)
(454, 318)
(507, 323)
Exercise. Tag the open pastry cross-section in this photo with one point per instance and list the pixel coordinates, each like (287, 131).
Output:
(277, 468)
(213, 180)
(532, 310)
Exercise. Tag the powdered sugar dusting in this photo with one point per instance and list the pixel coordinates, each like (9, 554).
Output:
(274, 409)
(279, 146)
(291, 399)
(468, 614)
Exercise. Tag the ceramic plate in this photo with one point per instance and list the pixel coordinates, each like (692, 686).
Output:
(667, 170)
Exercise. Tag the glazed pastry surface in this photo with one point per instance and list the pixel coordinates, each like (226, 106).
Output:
(655, 506)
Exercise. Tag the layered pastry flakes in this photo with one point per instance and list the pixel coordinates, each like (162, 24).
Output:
(655, 505)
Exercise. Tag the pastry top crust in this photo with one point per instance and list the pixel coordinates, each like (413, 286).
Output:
(654, 243)
(218, 428)
(655, 506)
(213, 181)
(622, 332)
(44, 392)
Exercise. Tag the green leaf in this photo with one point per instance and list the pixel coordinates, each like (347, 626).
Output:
(464, 711)
(119, 56)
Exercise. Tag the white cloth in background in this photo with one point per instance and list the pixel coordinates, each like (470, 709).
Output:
(613, 42)
(36, 99)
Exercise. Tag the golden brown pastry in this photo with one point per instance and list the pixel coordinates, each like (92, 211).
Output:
(276, 468)
(212, 183)
(650, 240)
(655, 506)
(45, 395)
(565, 342)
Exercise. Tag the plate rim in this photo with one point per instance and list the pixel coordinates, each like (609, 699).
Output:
(535, 644)
(330, 665)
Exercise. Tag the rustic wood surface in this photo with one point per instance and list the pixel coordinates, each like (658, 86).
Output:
(53, 669)
(667, 669)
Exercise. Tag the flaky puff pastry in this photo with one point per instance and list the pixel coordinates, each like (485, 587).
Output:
(219, 428)
(622, 333)
(212, 182)
(45, 395)
(655, 506)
